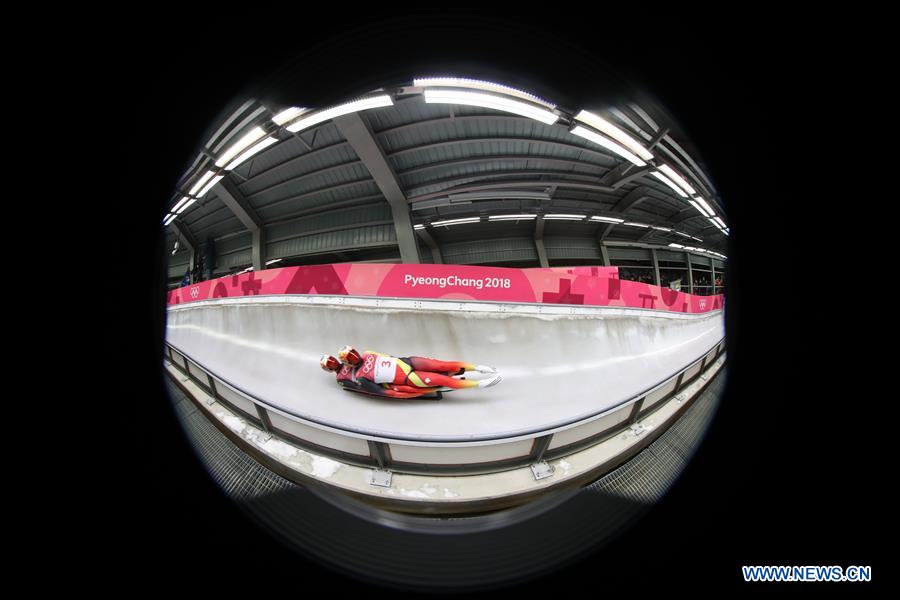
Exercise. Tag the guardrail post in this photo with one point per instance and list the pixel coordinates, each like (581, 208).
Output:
(635, 411)
(380, 452)
(540, 469)
(539, 448)
(264, 418)
(678, 383)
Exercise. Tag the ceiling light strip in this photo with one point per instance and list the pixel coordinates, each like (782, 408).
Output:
(702, 202)
(210, 185)
(678, 179)
(510, 217)
(238, 147)
(337, 111)
(669, 183)
(288, 114)
(601, 124)
(185, 207)
(475, 84)
(202, 181)
(256, 149)
(699, 208)
(455, 221)
(492, 102)
(598, 139)
(180, 203)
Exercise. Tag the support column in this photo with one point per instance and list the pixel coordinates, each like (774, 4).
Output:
(187, 238)
(432, 245)
(604, 255)
(360, 137)
(258, 252)
(690, 271)
(539, 242)
(232, 197)
(655, 260)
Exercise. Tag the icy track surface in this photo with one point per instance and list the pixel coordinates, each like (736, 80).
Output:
(556, 370)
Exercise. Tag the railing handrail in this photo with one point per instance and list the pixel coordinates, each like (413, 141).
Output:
(437, 443)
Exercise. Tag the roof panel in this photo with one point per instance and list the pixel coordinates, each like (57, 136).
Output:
(344, 175)
(316, 199)
(408, 110)
(298, 167)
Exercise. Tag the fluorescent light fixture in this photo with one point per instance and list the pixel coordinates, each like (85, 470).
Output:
(476, 84)
(689, 248)
(678, 179)
(696, 238)
(660, 228)
(209, 185)
(726, 231)
(699, 250)
(493, 102)
(201, 183)
(606, 143)
(257, 148)
(342, 109)
(608, 219)
(288, 114)
(510, 217)
(180, 202)
(675, 246)
(669, 183)
(705, 205)
(563, 217)
(719, 222)
(456, 221)
(273, 261)
(637, 225)
(169, 218)
(682, 234)
(601, 124)
(713, 221)
(699, 208)
(251, 136)
(418, 227)
(184, 208)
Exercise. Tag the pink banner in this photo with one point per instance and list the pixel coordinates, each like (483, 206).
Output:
(590, 286)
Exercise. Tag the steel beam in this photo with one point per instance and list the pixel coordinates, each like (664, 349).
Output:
(539, 242)
(432, 244)
(683, 215)
(632, 198)
(655, 260)
(624, 173)
(604, 230)
(232, 198)
(604, 255)
(533, 183)
(188, 239)
(357, 131)
(687, 256)
(657, 138)
(186, 236)
(499, 158)
(607, 157)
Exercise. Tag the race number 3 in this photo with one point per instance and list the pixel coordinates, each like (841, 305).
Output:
(385, 370)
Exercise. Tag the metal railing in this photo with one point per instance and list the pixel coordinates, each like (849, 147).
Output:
(426, 457)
